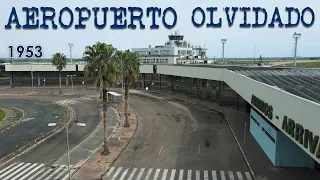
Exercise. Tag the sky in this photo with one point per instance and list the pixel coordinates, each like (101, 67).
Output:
(269, 42)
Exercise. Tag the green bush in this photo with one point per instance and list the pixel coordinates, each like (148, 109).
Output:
(2, 115)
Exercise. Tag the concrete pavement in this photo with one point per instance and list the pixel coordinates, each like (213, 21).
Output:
(98, 164)
(83, 151)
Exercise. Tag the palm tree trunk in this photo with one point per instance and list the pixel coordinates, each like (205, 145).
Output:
(60, 92)
(126, 97)
(100, 93)
(105, 138)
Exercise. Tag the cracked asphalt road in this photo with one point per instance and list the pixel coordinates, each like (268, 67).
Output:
(173, 134)
(34, 124)
(38, 115)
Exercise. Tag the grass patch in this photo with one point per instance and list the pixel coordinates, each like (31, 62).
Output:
(2, 115)
(307, 64)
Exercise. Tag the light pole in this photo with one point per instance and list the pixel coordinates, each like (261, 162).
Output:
(296, 36)
(68, 149)
(44, 82)
(223, 41)
(71, 81)
(83, 85)
(70, 46)
(32, 75)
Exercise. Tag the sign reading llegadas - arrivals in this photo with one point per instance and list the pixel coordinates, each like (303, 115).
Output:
(301, 135)
(264, 107)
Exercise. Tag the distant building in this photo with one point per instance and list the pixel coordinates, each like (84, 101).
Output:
(174, 51)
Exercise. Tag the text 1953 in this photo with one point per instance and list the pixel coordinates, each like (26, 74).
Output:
(26, 51)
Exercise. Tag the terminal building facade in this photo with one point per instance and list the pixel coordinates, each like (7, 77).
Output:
(283, 104)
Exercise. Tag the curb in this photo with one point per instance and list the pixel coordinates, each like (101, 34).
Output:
(24, 149)
(101, 116)
(22, 117)
(123, 147)
(229, 125)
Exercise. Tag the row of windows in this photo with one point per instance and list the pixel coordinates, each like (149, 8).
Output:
(266, 132)
(269, 135)
(155, 52)
(185, 52)
(255, 120)
(165, 61)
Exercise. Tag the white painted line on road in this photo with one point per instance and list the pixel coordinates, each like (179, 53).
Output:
(132, 173)
(55, 172)
(164, 175)
(18, 170)
(62, 173)
(110, 171)
(148, 173)
(173, 173)
(156, 174)
(160, 151)
(199, 150)
(28, 119)
(181, 175)
(248, 175)
(140, 174)
(67, 175)
(189, 174)
(7, 172)
(30, 172)
(7, 167)
(18, 175)
(197, 174)
(116, 173)
(205, 175)
(44, 174)
(223, 177)
(231, 175)
(214, 175)
(124, 174)
(239, 175)
(36, 174)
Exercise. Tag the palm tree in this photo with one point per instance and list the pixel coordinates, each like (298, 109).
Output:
(131, 71)
(59, 60)
(102, 64)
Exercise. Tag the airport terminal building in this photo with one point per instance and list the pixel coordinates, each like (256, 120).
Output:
(283, 103)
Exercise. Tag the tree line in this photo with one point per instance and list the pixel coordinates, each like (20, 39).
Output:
(107, 65)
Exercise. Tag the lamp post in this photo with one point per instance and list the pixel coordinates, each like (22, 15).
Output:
(72, 81)
(296, 36)
(32, 75)
(68, 149)
(83, 85)
(70, 46)
(44, 82)
(223, 41)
